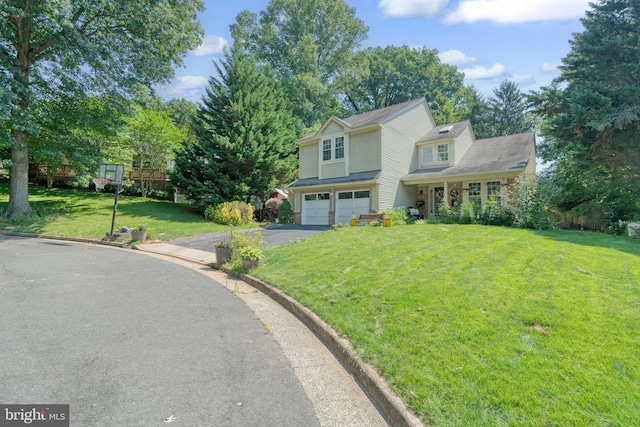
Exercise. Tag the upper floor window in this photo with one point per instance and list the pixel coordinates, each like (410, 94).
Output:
(435, 154)
(443, 153)
(326, 149)
(340, 147)
(333, 149)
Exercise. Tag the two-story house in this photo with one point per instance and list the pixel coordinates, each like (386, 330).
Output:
(398, 156)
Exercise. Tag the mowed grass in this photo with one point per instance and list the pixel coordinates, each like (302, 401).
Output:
(471, 325)
(482, 326)
(88, 215)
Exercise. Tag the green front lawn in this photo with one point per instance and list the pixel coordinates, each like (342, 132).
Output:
(471, 325)
(88, 215)
(482, 326)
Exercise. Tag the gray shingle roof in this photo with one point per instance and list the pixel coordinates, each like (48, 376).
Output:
(370, 117)
(354, 177)
(434, 134)
(378, 116)
(501, 154)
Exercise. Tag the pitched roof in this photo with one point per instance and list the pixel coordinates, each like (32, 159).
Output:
(380, 115)
(354, 177)
(501, 154)
(368, 118)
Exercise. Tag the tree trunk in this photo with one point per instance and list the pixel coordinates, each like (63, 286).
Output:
(19, 179)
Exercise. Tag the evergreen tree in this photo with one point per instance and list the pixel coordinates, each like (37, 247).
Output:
(509, 110)
(245, 142)
(592, 115)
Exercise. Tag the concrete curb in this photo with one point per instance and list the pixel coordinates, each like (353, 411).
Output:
(393, 408)
(68, 239)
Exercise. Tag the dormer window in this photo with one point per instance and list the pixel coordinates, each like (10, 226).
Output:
(333, 149)
(443, 153)
(432, 154)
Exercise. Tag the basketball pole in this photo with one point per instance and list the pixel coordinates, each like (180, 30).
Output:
(115, 207)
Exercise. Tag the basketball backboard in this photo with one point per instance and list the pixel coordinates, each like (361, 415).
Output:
(112, 172)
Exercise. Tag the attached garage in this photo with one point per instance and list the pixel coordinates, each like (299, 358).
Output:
(315, 209)
(351, 203)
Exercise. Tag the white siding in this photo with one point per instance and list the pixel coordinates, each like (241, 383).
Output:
(364, 152)
(462, 144)
(332, 129)
(333, 170)
(399, 136)
(309, 161)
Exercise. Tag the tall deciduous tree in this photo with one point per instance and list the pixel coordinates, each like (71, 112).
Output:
(307, 43)
(54, 49)
(509, 110)
(380, 77)
(246, 138)
(592, 114)
(153, 138)
(71, 132)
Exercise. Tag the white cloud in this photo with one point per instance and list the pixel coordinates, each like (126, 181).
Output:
(211, 45)
(408, 8)
(549, 68)
(456, 58)
(521, 78)
(189, 87)
(481, 73)
(515, 12)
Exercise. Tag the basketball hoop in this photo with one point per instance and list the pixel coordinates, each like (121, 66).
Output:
(100, 183)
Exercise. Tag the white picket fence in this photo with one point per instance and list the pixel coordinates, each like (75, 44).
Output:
(633, 228)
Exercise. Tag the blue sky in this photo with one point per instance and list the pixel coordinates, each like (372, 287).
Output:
(488, 40)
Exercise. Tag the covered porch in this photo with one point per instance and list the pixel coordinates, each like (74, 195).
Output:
(431, 193)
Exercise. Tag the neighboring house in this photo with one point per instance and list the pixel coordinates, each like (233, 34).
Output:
(397, 156)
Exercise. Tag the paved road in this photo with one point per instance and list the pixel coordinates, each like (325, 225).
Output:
(129, 340)
(273, 235)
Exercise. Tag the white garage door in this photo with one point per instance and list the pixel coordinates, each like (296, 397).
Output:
(315, 209)
(351, 203)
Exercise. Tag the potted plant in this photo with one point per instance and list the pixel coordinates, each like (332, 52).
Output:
(139, 233)
(386, 220)
(223, 249)
(251, 256)
(354, 221)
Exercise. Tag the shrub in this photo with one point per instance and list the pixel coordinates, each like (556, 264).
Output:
(272, 209)
(251, 252)
(230, 213)
(446, 215)
(244, 245)
(495, 214)
(285, 213)
(470, 213)
(158, 195)
(617, 228)
(528, 203)
(399, 215)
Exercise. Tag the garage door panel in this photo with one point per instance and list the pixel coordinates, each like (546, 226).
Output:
(315, 209)
(351, 203)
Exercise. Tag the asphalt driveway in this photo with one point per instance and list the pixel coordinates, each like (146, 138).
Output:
(134, 341)
(272, 234)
